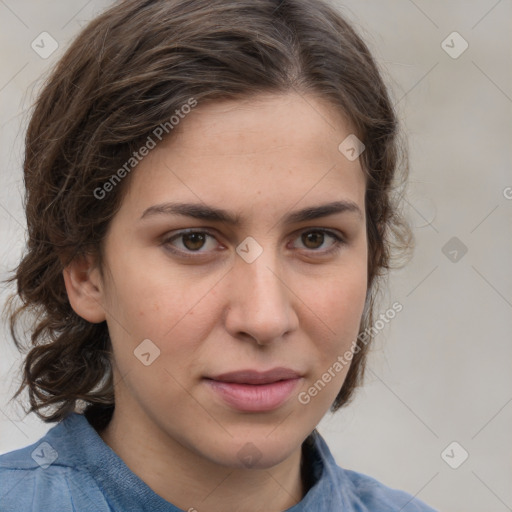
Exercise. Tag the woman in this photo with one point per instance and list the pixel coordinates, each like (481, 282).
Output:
(210, 206)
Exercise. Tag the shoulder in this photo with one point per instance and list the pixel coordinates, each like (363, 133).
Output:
(357, 491)
(29, 481)
(46, 475)
(370, 494)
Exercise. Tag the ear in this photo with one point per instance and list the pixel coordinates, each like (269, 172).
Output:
(85, 288)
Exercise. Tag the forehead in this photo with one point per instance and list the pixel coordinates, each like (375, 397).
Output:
(269, 150)
(257, 124)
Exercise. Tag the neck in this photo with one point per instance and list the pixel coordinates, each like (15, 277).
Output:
(189, 481)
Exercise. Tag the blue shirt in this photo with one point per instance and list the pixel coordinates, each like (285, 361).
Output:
(71, 468)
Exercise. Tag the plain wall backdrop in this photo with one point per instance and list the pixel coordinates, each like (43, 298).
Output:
(439, 380)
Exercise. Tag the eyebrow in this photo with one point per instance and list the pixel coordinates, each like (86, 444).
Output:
(212, 214)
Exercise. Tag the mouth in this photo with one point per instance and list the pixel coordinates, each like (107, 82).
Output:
(255, 377)
(255, 391)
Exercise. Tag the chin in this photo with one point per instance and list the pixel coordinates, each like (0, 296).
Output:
(258, 452)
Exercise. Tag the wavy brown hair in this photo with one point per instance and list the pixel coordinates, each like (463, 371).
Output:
(126, 72)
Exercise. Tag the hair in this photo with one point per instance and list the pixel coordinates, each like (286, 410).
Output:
(126, 72)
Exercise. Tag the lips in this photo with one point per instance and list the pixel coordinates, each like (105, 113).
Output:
(255, 377)
(254, 391)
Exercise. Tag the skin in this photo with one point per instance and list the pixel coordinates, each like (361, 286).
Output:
(296, 305)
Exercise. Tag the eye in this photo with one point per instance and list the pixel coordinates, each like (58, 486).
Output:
(313, 239)
(191, 241)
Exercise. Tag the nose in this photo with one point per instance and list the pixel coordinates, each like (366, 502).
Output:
(261, 301)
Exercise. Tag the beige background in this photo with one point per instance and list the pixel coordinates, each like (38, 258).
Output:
(440, 371)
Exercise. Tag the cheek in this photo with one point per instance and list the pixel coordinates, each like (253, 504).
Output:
(156, 332)
(171, 309)
(334, 326)
(340, 303)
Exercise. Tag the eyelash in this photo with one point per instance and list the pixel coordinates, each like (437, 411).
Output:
(336, 247)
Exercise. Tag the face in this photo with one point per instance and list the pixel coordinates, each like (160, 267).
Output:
(243, 281)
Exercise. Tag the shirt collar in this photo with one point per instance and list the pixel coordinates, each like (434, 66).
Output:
(80, 446)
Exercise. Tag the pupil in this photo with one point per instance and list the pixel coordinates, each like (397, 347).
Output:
(196, 238)
(311, 237)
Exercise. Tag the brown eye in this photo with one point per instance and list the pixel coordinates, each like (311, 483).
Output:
(193, 241)
(186, 243)
(313, 239)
